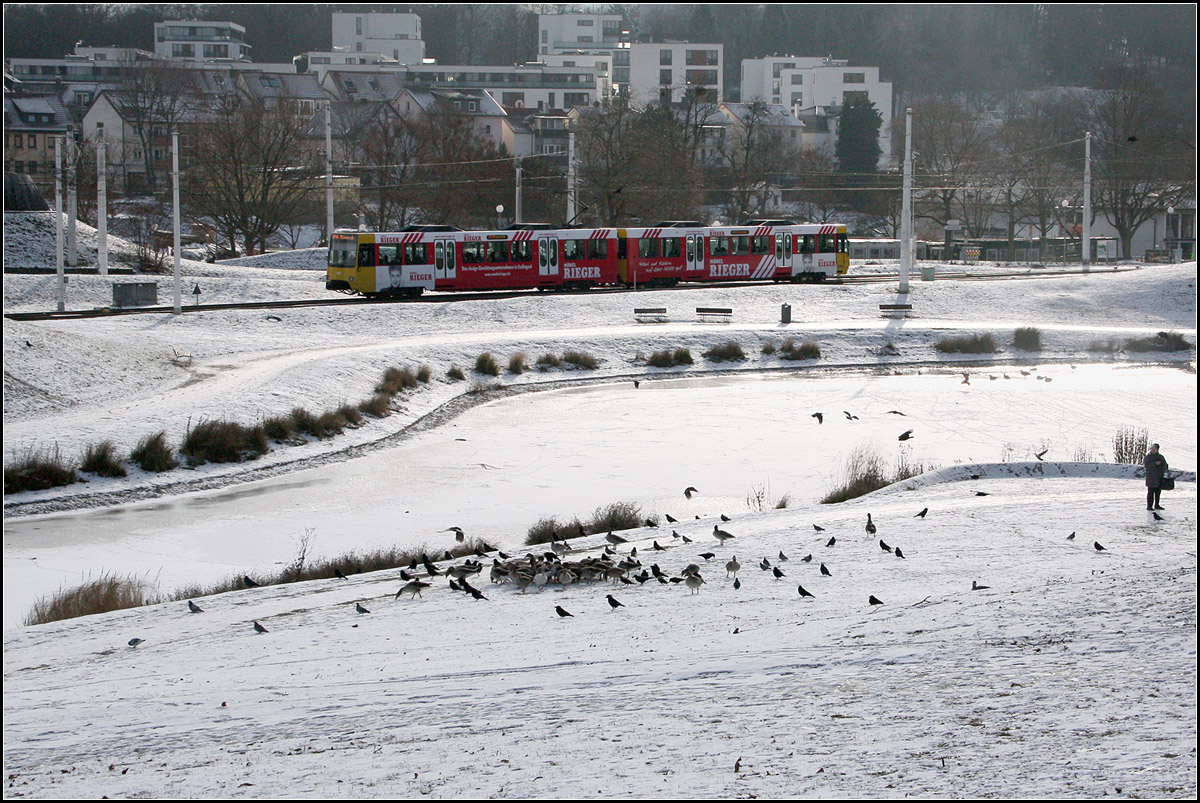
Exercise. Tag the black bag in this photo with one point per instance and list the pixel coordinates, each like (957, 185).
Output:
(1167, 484)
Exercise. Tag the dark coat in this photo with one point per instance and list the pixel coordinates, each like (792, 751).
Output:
(1156, 466)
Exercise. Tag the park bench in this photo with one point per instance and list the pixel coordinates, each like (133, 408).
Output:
(650, 314)
(707, 313)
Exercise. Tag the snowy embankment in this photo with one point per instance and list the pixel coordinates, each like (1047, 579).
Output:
(1036, 639)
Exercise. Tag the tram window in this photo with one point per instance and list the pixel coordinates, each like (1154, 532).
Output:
(826, 243)
(416, 254)
(760, 245)
(597, 249)
(389, 255)
(472, 253)
(498, 251)
(807, 241)
(522, 251)
(366, 256)
(572, 249)
(647, 248)
(341, 254)
(741, 245)
(718, 246)
(672, 247)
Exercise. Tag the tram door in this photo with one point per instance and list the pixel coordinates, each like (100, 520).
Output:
(547, 256)
(444, 263)
(783, 251)
(695, 252)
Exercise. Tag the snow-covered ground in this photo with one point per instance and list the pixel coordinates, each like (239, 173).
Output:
(1071, 675)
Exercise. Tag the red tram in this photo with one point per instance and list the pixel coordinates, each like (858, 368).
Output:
(527, 257)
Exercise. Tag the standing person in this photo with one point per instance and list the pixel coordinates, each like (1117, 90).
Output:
(1156, 467)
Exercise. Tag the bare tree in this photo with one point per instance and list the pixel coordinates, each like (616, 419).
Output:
(246, 173)
(949, 142)
(757, 154)
(154, 97)
(1143, 156)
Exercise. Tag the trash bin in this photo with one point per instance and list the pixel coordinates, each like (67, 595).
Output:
(785, 314)
(927, 273)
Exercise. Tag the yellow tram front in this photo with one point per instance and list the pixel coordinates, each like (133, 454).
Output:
(342, 272)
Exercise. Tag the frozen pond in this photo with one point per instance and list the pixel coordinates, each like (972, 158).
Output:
(744, 442)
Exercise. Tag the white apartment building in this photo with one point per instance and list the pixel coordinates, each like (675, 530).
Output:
(599, 63)
(669, 72)
(198, 40)
(820, 86)
(590, 33)
(395, 36)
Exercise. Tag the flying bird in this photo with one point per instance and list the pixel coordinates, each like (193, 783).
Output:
(459, 535)
(874, 600)
(613, 603)
(906, 434)
(820, 417)
(259, 628)
(895, 412)
(688, 491)
(850, 417)
(803, 592)
(1041, 454)
(921, 515)
(358, 607)
(708, 555)
(562, 612)
(194, 608)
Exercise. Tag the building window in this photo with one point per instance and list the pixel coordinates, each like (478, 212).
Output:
(32, 143)
(797, 79)
(664, 77)
(358, 26)
(854, 78)
(702, 77)
(702, 58)
(664, 57)
(849, 96)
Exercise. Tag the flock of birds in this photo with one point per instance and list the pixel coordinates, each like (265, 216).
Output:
(613, 565)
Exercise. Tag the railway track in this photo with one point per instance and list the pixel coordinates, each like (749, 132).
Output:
(438, 298)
